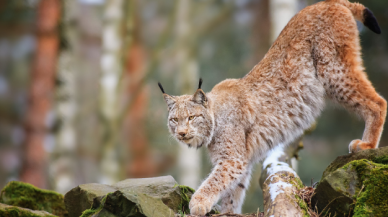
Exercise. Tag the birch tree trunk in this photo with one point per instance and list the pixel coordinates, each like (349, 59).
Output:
(112, 69)
(63, 164)
(281, 11)
(88, 123)
(39, 98)
(188, 159)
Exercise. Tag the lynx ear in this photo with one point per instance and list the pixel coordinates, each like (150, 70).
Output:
(169, 99)
(200, 97)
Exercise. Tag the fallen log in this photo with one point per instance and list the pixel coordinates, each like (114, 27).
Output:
(281, 184)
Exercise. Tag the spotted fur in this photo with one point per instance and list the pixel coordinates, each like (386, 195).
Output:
(317, 55)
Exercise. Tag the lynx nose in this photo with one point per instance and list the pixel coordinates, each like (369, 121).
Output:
(183, 134)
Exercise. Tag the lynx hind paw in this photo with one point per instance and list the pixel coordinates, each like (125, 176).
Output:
(358, 145)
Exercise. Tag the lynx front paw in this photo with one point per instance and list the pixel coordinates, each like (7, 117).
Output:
(358, 145)
(199, 205)
(199, 210)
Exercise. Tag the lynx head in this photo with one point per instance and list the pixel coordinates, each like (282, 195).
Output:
(190, 118)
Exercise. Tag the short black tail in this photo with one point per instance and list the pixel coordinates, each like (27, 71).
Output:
(370, 21)
(361, 13)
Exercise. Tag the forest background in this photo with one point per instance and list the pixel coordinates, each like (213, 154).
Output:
(79, 101)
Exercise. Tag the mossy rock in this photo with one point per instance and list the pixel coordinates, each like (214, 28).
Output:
(28, 196)
(131, 197)
(373, 198)
(359, 187)
(121, 204)
(81, 197)
(14, 211)
(379, 155)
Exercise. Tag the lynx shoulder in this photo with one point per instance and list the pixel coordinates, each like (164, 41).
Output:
(317, 55)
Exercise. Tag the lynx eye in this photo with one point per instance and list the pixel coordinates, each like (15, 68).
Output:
(174, 119)
(191, 118)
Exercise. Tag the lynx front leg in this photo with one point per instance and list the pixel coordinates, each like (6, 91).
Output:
(233, 200)
(225, 175)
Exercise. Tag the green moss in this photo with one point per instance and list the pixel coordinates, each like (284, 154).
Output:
(381, 160)
(296, 182)
(15, 212)
(303, 206)
(30, 197)
(186, 196)
(371, 199)
(89, 212)
(299, 183)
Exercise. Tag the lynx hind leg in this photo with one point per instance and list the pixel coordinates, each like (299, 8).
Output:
(342, 74)
(233, 200)
(357, 94)
(354, 91)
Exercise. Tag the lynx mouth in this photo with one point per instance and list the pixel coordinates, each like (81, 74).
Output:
(187, 139)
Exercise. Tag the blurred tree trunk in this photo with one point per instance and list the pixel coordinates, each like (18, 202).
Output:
(188, 159)
(40, 93)
(88, 125)
(139, 160)
(281, 11)
(261, 37)
(63, 159)
(112, 70)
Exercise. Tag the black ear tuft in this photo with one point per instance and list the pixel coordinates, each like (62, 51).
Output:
(371, 22)
(200, 83)
(161, 88)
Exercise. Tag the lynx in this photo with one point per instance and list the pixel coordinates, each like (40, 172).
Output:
(317, 55)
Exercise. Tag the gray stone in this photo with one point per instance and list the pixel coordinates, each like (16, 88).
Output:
(159, 196)
(336, 191)
(126, 204)
(81, 197)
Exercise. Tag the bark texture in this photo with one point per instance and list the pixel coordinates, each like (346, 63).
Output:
(279, 195)
(280, 183)
(40, 93)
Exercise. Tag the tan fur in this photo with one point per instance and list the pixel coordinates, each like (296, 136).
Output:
(316, 55)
